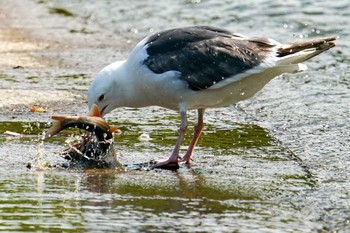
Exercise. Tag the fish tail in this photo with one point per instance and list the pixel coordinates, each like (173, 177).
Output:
(57, 126)
(114, 129)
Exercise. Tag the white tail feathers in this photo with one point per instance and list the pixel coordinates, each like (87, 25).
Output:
(298, 57)
(301, 51)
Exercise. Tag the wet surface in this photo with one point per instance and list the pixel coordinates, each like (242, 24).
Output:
(278, 162)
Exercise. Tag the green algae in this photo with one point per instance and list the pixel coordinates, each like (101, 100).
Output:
(61, 11)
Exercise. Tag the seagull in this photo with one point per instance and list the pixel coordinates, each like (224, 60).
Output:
(197, 67)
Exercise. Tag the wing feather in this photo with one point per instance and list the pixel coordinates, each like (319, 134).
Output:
(204, 55)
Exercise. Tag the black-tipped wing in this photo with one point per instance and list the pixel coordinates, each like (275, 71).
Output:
(204, 55)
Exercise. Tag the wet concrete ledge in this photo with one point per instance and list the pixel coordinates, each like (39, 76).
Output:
(308, 115)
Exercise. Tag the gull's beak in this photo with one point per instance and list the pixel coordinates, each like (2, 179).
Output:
(102, 110)
(95, 111)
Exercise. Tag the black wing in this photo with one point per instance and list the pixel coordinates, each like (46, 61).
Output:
(204, 55)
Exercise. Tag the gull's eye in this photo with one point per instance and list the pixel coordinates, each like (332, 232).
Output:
(101, 97)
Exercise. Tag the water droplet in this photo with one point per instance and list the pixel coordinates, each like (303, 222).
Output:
(134, 30)
(144, 137)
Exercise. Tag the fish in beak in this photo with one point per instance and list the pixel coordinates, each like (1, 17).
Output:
(92, 123)
(96, 149)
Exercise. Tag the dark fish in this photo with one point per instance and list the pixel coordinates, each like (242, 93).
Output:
(96, 149)
(93, 123)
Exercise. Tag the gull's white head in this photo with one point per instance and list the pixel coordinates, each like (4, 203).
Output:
(104, 90)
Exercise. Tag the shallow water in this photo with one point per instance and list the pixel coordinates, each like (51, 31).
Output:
(278, 162)
(210, 196)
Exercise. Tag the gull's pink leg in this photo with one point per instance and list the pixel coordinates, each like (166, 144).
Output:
(173, 160)
(197, 132)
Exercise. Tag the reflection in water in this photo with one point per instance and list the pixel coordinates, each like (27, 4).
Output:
(245, 170)
(142, 200)
(132, 199)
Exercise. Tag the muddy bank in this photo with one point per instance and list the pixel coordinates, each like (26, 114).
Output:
(44, 62)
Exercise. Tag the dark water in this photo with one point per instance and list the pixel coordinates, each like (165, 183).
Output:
(276, 163)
